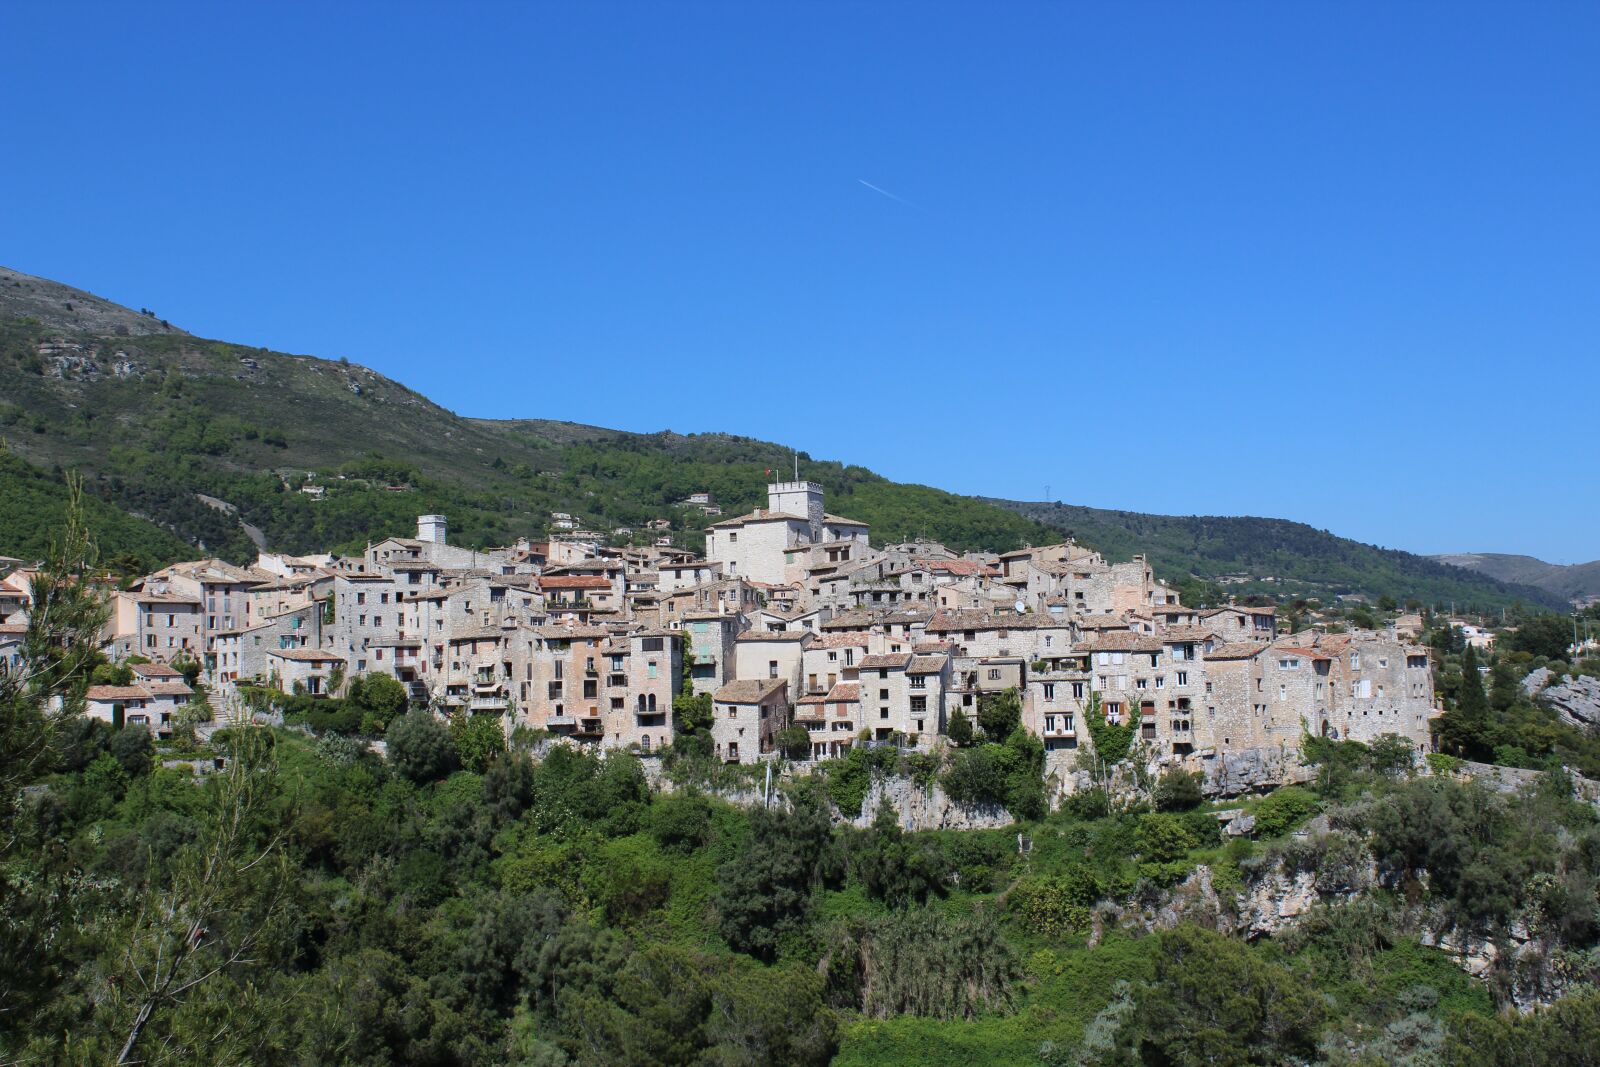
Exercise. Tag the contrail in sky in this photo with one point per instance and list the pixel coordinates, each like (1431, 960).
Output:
(885, 192)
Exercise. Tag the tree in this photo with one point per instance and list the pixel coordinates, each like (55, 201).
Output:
(379, 699)
(1213, 1001)
(228, 891)
(1549, 636)
(897, 869)
(58, 654)
(794, 741)
(420, 747)
(1178, 791)
(478, 739)
(765, 891)
(133, 747)
(999, 714)
(1465, 727)
(959, 729)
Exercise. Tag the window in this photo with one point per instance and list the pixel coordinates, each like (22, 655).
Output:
(772, 668)
(1355, 661)
(1077, 690)
(994, 674)
(1049, 690)
(361, 598)
(1141, 683)
(1283, 693)
(919, 681)
(1183, 677)
(919, 705)
(732, 537)
(1288, 664)
(883, 694)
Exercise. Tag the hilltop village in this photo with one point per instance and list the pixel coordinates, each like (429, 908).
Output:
(792, 618)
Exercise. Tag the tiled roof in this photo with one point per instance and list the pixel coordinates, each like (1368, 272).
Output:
(840, 520)
(927, 664)
(759, 515)
(774, 635)
(573, 581)
(168, 689)
(749, 691)
(930, 647)
(844, 692)
(1238, 650)
(962, 567)
(1121, 641)
(154, 670)
(1187, 633)
(958, 621)
(895, 660)
(840, 640)
(116, 692)
(571, 633)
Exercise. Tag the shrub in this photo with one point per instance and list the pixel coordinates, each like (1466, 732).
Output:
(1178, 791)
(420, 747)
(1283, 810)
(1059, 905)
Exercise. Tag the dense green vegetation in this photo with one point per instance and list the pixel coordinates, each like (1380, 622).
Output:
(472, 901)
(1301, 560)
(1491, 718)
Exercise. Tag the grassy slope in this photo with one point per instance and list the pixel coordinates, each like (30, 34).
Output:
(1307, 561)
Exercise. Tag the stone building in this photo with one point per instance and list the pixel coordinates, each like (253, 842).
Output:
(748, 714)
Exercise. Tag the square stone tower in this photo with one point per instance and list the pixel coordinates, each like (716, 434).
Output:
(798, 498)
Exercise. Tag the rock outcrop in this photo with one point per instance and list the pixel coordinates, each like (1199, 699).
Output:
(1576, 700)
(1250, 770)
(920, 807)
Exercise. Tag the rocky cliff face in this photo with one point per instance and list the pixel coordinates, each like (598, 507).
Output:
(920, 807)
(1576, 700)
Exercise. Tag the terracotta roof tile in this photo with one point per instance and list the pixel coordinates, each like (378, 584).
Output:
(749, 691)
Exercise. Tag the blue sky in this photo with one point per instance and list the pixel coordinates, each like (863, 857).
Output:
(1331, 262)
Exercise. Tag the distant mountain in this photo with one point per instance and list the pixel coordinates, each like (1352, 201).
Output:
(1276, 557)
(1570, 582)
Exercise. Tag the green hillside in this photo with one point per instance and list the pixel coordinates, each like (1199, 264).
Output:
(1299, 560)
(1572, 581)
(156, 420)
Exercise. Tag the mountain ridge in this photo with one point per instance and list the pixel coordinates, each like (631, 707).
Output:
(1571, 581)
(159, 419)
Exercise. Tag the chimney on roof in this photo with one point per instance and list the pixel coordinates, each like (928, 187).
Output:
(432, 528)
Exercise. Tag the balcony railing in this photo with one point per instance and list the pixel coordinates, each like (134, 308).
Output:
(487, 703)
